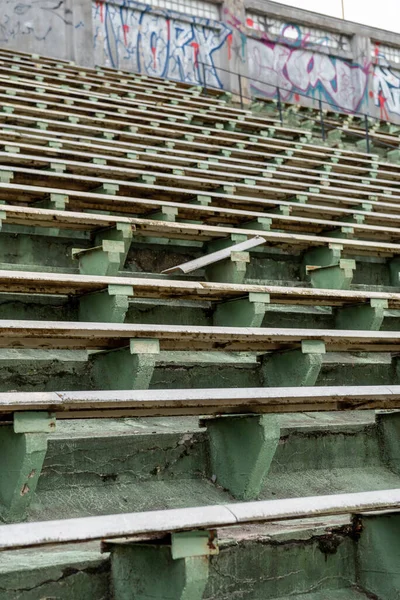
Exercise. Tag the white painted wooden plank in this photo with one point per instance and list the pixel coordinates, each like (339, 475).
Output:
(214, 257)
(109, 527)
(201, 401)
(201, 289)
(202, 332)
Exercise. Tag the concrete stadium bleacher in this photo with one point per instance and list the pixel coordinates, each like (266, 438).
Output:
(129, 384)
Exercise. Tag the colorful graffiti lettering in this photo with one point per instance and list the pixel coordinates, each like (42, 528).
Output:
(297, 35)
(137, 37)
(386, 83)
(386, 86)
(300, 71)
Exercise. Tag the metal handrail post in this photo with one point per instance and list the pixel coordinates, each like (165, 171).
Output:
(278, 92)
(367, 133)
(204, 78)
(321, 116)
(240, 90)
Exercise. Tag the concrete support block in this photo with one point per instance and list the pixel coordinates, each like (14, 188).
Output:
(231, 270)
(323, 256)
(333, 277)
(325, 268)
(202, 199)
(267, 107)
(3, 217)
(160, 571)
(378, 555)
(393, 156)
(335, 135)
(394, 271)
(23, 447)
(297, 367)
(226, 189)
(6, 176)
(122, 232)
(344, 232)
(388, 423)
(167, 213)
(148, 179)
(245, 312)
(129, 368)
(261, 223)
(105, 259)
(363, 146)
(107, 306)
(241, 451)
(106, 188)
(54, 202)
(363, 316)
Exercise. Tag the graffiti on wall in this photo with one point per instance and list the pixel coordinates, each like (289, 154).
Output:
(385, 91)
(299, 71)
(299, 35)
(160, 43)
(37, 19)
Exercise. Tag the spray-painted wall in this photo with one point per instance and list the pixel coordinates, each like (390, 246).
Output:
(297, 70)
(347, 66)
(136, 37)
(300, 71)
(385, 88)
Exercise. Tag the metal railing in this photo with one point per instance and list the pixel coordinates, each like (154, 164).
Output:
(324, 125)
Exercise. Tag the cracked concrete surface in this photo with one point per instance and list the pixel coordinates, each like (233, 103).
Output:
(65, 573)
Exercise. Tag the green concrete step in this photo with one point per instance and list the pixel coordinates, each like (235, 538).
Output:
(95, 467)
(310, 559)
(66, 573)
(44, 370)
(53, 253)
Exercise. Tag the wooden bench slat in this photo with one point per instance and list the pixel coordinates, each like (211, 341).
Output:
(99, 336)
(192, 174)
(150, 403)
(206, 517)
(47, 218)
(50, 283)
(170, 160)
(318, 159)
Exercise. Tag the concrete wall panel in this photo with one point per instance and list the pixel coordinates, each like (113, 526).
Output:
(39, 26)
(298, 70)
(136, 37)
(354, 68)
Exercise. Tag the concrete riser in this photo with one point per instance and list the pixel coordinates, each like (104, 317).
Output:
(87, 471)
(20, 372)
(26, 251)
(313, 561)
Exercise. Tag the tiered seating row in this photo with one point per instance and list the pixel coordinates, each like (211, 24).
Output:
(111, 184)
(190, 542)
(158, 522)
